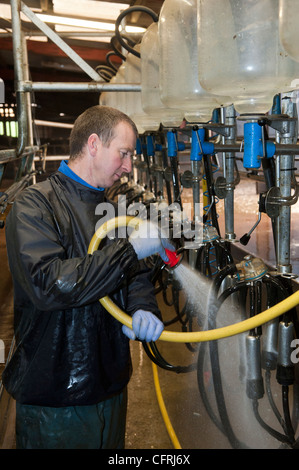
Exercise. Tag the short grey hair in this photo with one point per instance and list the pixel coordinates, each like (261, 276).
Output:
(100, 120)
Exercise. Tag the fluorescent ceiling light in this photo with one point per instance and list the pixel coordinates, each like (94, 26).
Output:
(106, 10)
(89, 9)
(76, 22)
(134, 29)
(38, 38)
(90, 35)
(5, 13)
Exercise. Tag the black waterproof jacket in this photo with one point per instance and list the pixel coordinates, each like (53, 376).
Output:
(69, 349)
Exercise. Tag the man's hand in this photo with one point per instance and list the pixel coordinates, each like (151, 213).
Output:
(148, 240)
(146, 326)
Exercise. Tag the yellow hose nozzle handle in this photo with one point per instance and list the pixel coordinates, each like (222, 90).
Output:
(191, 337)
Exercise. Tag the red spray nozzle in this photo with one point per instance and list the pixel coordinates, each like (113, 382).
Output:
(173, 257)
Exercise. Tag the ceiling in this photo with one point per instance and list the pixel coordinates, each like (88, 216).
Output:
(48, 63)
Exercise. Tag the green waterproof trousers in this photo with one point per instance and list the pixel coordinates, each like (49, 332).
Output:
(100, 426)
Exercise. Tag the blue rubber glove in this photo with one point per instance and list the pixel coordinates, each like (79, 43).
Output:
(147, 240)
(146, 326)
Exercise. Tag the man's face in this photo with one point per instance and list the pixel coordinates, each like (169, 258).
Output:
(111, 162)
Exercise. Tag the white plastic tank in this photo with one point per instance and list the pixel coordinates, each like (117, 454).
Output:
(240, 54)
(109, 98)
(150, 78)
(133, 98)
(289, 27)
(116, 99)
(179, 84)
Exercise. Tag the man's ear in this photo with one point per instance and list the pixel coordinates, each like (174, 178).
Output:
(93, 143)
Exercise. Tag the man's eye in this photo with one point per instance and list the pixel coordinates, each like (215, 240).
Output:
(125, 154)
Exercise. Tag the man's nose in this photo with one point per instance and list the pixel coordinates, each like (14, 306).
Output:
(127, 165)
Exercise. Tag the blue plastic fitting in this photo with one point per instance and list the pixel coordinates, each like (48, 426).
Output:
(276, 108)
(150, 146)
(253, 146)
(196, 152)
(172, 145)
(270, 149)
(138, 147)
(202, 147)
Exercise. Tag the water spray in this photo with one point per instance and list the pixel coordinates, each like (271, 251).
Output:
(189, 337)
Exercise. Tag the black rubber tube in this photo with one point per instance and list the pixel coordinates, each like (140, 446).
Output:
(119, 20)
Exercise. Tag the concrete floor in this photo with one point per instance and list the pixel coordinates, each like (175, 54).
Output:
(193, 426)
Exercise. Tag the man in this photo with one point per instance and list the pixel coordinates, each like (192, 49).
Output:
(72, 363)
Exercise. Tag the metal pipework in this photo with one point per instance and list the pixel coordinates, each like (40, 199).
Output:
(20, 77)
(139, 164)
(292, 149)
(196, 158)
(59, 42)
(154, 153)
(78, 87)
(254, 378)
(173, 146)
(8, 155)
(284, 170)
(285, 200)
(229, 166)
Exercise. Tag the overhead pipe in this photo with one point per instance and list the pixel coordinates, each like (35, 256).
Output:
(78, 87)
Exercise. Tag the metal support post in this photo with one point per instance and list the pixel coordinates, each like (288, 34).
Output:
(285, 169)
(229, 163)
(22, 111)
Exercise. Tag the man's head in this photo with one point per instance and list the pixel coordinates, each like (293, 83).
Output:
(102, 143)
(100, 120)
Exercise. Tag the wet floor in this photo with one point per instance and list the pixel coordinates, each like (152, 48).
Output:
(190, 397)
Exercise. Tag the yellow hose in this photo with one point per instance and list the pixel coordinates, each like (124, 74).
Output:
(163, 410)
(181, 337)
(191, 337)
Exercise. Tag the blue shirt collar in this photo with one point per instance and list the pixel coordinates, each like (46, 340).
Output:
(65, 169)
